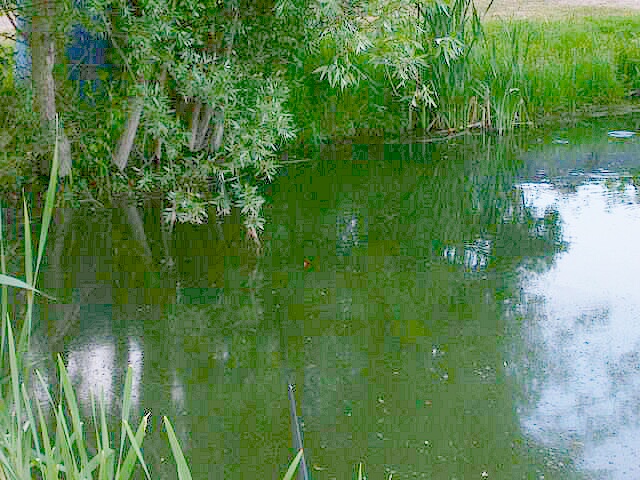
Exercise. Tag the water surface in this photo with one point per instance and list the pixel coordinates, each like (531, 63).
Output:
(462, 310)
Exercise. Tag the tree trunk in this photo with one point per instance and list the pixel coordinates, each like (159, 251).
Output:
(43, 58)
(64, 154)
(125, 144)
(195, 122)
(216, 138)
(158, 141)
(204, 128)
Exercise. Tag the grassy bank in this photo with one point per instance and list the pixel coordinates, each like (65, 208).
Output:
(522, 71)
(562, 65)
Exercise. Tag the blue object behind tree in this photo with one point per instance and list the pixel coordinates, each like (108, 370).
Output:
(87, 54)
(22, 53)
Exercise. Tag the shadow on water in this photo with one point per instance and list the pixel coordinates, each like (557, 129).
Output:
(381, 295)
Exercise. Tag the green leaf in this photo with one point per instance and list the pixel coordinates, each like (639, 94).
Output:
(51, 466)
(14, 282)
(183, 469)
(126, 406)
(15, 388)
(72, 404)
(136, 444)
(48, 204)
(294, 465)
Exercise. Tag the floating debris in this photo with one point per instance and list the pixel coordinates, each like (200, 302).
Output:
(603, 173)
(559, 141)
(540, 176)
(621, 134)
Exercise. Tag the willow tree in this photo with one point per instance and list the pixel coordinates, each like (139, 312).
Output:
(199, 87)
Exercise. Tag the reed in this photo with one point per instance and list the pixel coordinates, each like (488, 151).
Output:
(525, 69)
(513, 72)
(561, 65)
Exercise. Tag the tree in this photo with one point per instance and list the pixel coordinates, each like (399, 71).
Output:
(201, 87)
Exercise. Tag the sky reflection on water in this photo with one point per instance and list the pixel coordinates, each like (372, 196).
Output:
(583, 319)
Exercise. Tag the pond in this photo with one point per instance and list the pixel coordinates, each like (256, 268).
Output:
(460, 310)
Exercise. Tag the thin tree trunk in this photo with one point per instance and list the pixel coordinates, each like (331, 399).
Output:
(195, 122)
(158, 143)
(64, 154)
(125, 144)
(204, 127)
(137, 227)
(216, 138)
(43, 58)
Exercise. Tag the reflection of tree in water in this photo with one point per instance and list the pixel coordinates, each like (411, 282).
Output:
(389, 337)
(405, 245)
(112, 281)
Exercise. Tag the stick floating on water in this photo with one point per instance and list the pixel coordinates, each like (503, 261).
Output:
(303, 473)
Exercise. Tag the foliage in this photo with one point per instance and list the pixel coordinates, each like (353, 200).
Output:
(219, 84)
(209, 76)
(560, 66)
(20, 139)
(211, 115)
(419, 45)
(516, 73)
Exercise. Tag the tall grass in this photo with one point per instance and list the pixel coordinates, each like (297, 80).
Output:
(529, 68)
(516, 72)
(525, 69)
(559, 66)
(28, 448)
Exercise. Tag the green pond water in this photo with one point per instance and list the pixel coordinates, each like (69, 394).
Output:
(462, 310)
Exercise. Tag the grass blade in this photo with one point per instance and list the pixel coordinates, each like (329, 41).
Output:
(15, 387)
(105, 436)
(126, 406)
(87, 471)
(129, 460)
(6, 464)
(72, 404)
(28, 269)
(136, 443)
(51, 467)
(28, 247)
(31, 421)
(5, 290)
(6, 280)
(361, 472)
(183, 469)
(48, 204)
(64, 444)
(291, 471)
